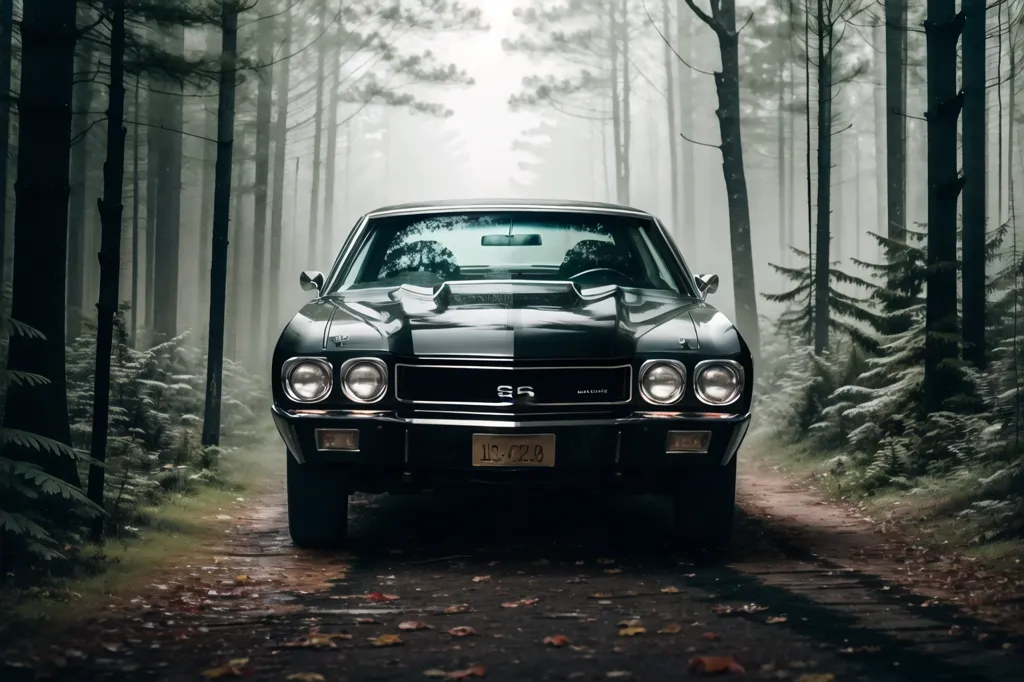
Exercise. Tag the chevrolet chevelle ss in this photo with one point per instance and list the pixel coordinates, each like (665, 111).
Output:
(523, 343)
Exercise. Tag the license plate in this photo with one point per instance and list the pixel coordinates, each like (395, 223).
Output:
(513, 450)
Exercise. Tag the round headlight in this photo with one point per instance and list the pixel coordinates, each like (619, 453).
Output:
(364, 380)
(307, 380)
(718, 382)
(662, 382)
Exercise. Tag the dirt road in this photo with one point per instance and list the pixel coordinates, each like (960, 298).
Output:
(539, 588)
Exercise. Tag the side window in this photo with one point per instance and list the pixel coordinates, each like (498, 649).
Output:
(359, 263)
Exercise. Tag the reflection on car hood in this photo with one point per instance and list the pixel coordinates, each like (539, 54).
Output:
(517, 319)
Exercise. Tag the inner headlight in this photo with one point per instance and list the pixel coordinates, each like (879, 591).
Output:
(718, 382)
(364, 380)
(307, 380)
(662, 382)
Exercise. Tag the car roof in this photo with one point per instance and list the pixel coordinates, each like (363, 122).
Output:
(498, 204)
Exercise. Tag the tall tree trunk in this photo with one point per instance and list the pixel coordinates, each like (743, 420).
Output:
(154, 160)
(314, 197)
(264, 113)
(234, 275)
(221, 218)
(687, 84)
(627, 121)
(781, 153)
(207, 179)
(330, 221)
(809, 169)
(673, 132)
(823, 231)
(882, 226)
(727, 84)
(857, 199)
(895, 120)
(280, 150)
(974, 161)
(48, 36)
(613, 45)
(78, 223)
(136, 135)
(6, 34)
(942, 31)
(168, 212)
(110, 257)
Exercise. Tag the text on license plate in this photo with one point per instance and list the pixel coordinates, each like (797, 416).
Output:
(513, 450)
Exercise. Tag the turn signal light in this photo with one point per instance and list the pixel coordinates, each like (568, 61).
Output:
(337, 439)
(688, 442)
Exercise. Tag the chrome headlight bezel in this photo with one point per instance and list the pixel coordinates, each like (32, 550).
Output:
(700, 391)
(647, 366)
(286, 378)
(347, 366)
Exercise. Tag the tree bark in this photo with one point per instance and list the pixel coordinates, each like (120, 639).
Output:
(727, 85)
(264, 112)
(673, 122)
(627, 121)
(206, 200)
(221, 218)
(974, 161)
(882, 227)
(48, 37)
(168, 211)
(154, 159)
(6, 34)
(233, 309)
(136, 138)
(823, 231)
(330, 222)
(280, 151)
(617, 136)
(687, 83)
(781, 153)
(78, 223)
(942, 31)
(314, 198)
(895, 120)
(110, 208)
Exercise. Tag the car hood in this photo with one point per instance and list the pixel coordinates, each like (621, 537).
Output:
(522, 320)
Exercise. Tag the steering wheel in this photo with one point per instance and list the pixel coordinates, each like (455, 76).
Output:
(611, 271)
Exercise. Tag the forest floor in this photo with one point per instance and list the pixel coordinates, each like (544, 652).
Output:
(544, 588)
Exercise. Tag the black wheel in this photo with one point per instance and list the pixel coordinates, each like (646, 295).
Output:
(317, 504)
(704, 507)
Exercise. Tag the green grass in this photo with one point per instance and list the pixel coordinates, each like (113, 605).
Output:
(927, 513)
(123, 567)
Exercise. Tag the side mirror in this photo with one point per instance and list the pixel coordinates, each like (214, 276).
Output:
(311, 280)
(706, 285)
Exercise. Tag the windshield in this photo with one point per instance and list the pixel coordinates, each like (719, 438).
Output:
(588, 249)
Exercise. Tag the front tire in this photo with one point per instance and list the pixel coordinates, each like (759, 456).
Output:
(704, 507)
(317, 504)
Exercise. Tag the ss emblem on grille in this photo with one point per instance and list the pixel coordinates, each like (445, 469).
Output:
(510, 392)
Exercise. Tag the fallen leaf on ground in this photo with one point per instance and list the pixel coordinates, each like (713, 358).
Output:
(456, 608)
(234, 668)
(557, 640)
(601, 595)
(435, 672)
(632, 631)
(412, 625)
(669, 590)
(481, 578)
(715, 664)
(628, 623)
(475, 671)
(670, 629)
(241, 579)
(721, 609)
(462, 631)
(772, 620)
(711, 636)
(380, 597)
(816, 677)
(366, 621)
(618, 674)
(612, 571)
(519, 602)
(306, 677)
(386, 640)
(318, 640)
(753, 608)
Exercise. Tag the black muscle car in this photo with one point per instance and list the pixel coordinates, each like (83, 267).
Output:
(510, 342)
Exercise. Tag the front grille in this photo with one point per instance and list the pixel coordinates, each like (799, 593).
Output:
(513, 386)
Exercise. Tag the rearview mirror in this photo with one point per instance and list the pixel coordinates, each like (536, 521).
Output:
(510, 240)
(706, 285)
(311, 280)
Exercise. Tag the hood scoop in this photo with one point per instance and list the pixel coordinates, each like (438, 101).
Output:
(418, 301)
